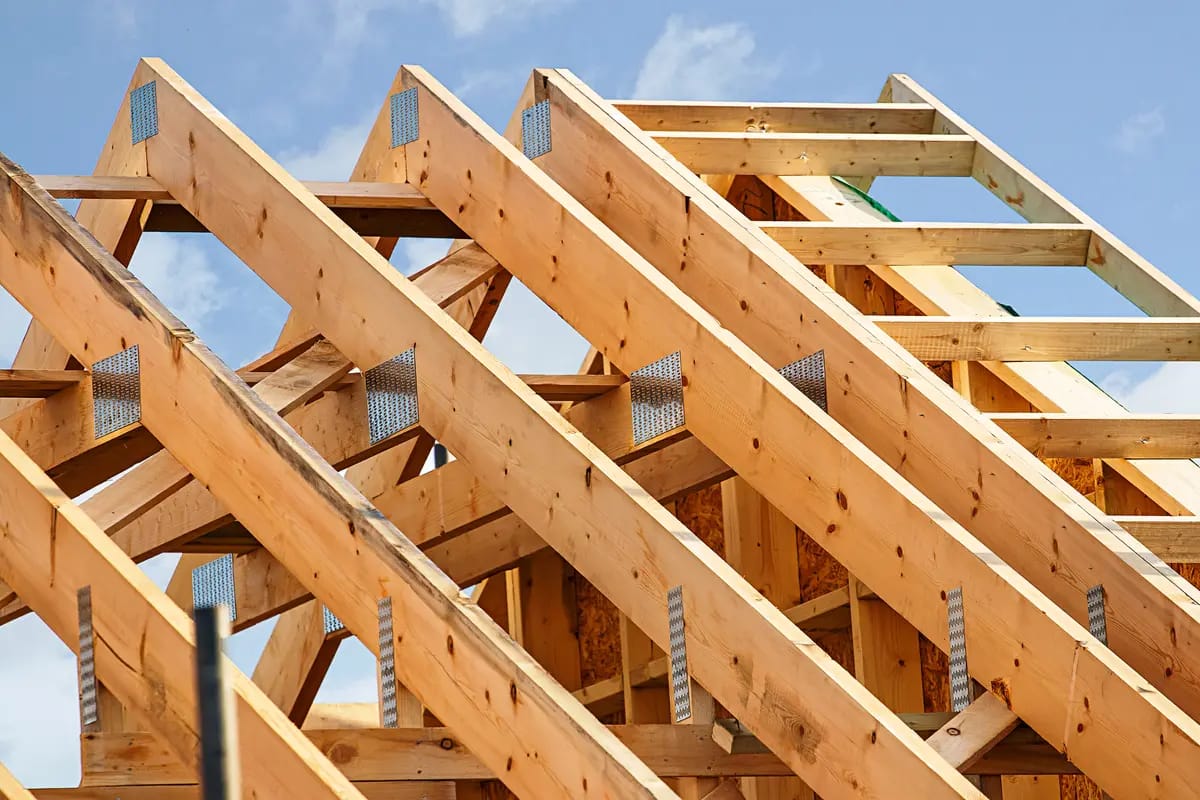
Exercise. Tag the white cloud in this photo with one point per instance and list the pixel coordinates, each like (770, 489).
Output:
(14, 319)
(698, 62)
(335, 155)
(1173, 388)
(180, 274)
(1138, 131)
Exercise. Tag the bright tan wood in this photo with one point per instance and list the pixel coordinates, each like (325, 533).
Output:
(11, 788)
(36, 382)
(1058, 339)
(660, 115)
(295, 660)
(973, 731)
(1128, 436)
(901, 243)
(887, 654)
(1173, 539)
(372, 790)
(912, 418)
(821, 153)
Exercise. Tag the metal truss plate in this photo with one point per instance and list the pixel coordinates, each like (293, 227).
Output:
(387, 665)
(656, 398)
(406, 123)
(330, 621)
(116, 392)
(1097, 624)
(681, 685)
(392, 395)
(808, 375)
(212, 585)
(89, 707)
(143, 112)
(960, 680)
(535, 130)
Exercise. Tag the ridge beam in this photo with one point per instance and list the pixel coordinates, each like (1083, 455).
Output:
(666, 115)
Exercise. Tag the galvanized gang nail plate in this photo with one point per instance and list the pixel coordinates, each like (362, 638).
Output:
(116, 392)
(1097, 624)
(392, 395)
(330, 622)
(808, 375)
(681, 685)
(405, 120)
(535, 130)
(960, 680)
(89, 706)
(387, 664)
(656, 398)
(212, 585)
(143, 112)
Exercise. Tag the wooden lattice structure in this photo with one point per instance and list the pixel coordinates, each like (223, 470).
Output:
(805, 461)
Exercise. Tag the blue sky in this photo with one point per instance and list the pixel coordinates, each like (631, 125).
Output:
(1098, 97)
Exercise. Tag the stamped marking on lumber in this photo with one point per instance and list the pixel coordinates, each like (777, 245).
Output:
(681, 684)
(406, 123)
(212, 585)
(656, 398)
(960, 680)
(1097, 624)
(116, 392)
(392, 395)
(89, 705)
(535, 130)
(143, 112)
(808, 375)
(387, 665)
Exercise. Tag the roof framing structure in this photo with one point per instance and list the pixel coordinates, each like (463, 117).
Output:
(805, 459)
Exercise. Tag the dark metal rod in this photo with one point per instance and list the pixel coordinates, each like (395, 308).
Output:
(219, 772)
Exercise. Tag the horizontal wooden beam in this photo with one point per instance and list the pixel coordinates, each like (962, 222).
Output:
(371, 790)
(821, 153)
(335, 194)
(1173, 539)
(657, 115)
(938, 243)
(1046, 339)
(37, 382)
(1131, 436)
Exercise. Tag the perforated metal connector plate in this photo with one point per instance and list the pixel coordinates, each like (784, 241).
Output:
(89, 706)
(387, 664)
(656, 398)
(1097, 624)
(535, 130)
(681, 685)
(212, 585)
(392, 395)
(143, 112)
(330, 621)
(406, 123)
(808, 375)
(116, 392)
(960, 680)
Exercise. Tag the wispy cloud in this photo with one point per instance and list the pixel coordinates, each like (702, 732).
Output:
(709, 62)
(1172, 388)
(333, 158)
(1138, 131)
(180, 273)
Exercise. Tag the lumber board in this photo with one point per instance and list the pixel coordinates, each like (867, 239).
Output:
(821, 153)
(1048, 339)
(371, 790)
(1173, 539)
(561, 478)
(37, 382)
(968, 735)
(287, 496)
(667, 115)
(1126, 436)
(908, 243)
(336, 194)
(389, 222)
(891, 401)
(11, 788)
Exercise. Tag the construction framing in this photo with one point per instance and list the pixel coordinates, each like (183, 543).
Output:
(816, 516)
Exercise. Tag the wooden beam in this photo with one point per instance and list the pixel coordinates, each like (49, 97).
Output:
(11, 788)
(657, 115)
(970, 733)
(388, 222)
(900, 243)
(288, 498)
(294, 662)
(372, 790)
(1173, 539)
(820, 153)
(1050, 339)
(37, 382)
(335, 194)
(913, 419)
(1129, 436)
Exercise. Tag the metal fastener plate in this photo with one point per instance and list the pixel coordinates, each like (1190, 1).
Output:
(1097, 624)
(116, 392)
(808, 375)
(960, 680)
(656, 398)
(89, 707)
(143, 112)
(212, 585)
(681, 685)
(392, 395)
(405, 121)
(387, 664)
(330, 621)
(535, 129)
